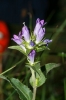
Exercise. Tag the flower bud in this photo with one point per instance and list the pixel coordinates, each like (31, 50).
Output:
(38, 26)
(40, 35)
(25, 33)
(31, 57)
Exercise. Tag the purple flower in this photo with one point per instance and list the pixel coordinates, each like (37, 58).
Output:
(38, 26)
(31, 57)
(25, 33)
(47, 41)
(40, 35)
(19, 41)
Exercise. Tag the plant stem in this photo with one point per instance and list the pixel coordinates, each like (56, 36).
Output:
(34, 93)
(12, 67)
(34, 83)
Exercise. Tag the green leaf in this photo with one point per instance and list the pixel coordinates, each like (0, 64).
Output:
(41, 48)
(17, 48)
(3, 77)
(40, 77)
(50, 66)
(33, 66)
(24, 92)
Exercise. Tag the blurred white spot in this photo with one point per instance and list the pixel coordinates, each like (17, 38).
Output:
(1, 35)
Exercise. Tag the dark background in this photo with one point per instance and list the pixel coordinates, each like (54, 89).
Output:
(11, 10)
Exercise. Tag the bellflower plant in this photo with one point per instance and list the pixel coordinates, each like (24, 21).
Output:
(33, 43)
(29, 44)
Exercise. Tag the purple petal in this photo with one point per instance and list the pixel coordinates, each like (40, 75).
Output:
(47, 41)
(31, 56)
(25, 33)
(17, 39)
(44, 30)
(40, 35)
(39, 25)
(37, 28)
(20, 34)
(38, 20)
(42, 22)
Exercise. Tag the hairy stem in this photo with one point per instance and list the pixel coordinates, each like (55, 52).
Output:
(34, 84)
(34, 93)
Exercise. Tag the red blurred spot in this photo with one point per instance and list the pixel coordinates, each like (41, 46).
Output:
(4, 36)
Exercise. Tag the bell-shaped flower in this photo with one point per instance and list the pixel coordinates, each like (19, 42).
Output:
(47, 41)
(39, 24)
(40, 35)
(31, 57)
(25, 33)
(19, 41)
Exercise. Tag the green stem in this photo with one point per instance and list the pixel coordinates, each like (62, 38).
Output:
(34, 93)
(7, 70)
(13, 66)
(34, 83)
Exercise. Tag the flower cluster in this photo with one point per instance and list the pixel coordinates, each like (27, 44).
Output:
(34, 42)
